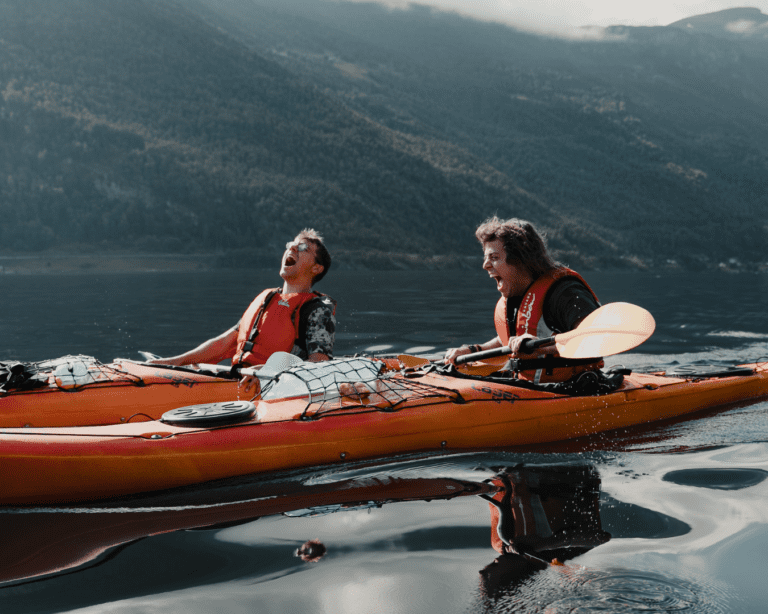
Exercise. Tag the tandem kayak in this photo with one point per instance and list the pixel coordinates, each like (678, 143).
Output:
(82, 391)
(337, 412)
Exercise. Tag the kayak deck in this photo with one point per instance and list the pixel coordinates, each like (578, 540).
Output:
(81, 391)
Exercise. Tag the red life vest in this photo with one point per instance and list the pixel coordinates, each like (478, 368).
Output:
(530, 319)
(269, 325)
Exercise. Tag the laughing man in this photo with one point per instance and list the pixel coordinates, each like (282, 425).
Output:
(539, 298)
(289, 319)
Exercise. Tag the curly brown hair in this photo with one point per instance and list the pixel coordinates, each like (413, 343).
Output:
(523, 244)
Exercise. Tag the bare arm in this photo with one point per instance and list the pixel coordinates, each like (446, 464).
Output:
(318, 357)
(212, 351)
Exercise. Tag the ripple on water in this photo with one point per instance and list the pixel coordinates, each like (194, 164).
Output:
(573, 589)
(630, 591)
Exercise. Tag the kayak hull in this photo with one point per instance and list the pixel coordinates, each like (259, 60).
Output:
(55, 465)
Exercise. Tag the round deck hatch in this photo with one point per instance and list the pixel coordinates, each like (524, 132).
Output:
(210, 414)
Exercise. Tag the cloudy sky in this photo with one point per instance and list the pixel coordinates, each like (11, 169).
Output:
(564, 14)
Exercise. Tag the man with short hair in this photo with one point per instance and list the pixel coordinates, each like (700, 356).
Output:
(289, 319)
(539, 298)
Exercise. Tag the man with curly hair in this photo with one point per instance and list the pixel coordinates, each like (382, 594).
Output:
(539, 298)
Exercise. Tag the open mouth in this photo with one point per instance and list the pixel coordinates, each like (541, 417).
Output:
(290, 260)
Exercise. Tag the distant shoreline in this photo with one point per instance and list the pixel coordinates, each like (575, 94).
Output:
(54, 264)
(61, 263)
(72, 264)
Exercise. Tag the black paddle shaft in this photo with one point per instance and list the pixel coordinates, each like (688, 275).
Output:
(526, 347)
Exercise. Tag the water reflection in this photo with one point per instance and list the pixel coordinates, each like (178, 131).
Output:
(537, 514)
(627, 591)
(42, 541)
(627, 520)
(492, 524)
(717, 479)
(542, 517)
(539, 517)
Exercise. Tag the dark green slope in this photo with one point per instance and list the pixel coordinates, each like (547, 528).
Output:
(656, 136)
(228, 124)
(137, 124)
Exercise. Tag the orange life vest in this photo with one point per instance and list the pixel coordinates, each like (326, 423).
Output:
(269, 325)
(530, 320)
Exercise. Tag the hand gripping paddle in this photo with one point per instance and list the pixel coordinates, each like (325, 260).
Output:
(610, 329)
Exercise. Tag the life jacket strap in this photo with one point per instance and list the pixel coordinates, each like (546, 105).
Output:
(248, 346)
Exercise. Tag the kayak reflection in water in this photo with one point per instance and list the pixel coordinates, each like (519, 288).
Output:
(539, 298)
(540, 517)
(292, 319)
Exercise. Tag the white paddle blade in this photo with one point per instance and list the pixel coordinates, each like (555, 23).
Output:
(611, 329)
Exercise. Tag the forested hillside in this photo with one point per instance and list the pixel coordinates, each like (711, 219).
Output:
(225, 125)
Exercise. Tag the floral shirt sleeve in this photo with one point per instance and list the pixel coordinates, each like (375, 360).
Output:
(319, 327)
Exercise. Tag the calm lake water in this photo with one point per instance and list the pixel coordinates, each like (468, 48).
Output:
(664, 518)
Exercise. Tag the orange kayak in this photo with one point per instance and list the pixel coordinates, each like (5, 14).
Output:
(333, 413)
(81, 391)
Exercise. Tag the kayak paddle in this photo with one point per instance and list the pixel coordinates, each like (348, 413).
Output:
(610, 329)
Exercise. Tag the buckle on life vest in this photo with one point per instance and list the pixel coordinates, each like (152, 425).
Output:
(516, 365)
(248, 346)
(548, 360)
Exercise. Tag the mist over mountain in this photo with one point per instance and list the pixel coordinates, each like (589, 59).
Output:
(225, 125)
(737, 23)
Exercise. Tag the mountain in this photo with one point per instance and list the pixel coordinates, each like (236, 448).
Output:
(227, 124)
(736, 23)
(653, 137)
(135, 124)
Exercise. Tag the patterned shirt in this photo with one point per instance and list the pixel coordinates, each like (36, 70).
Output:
(317, 328)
